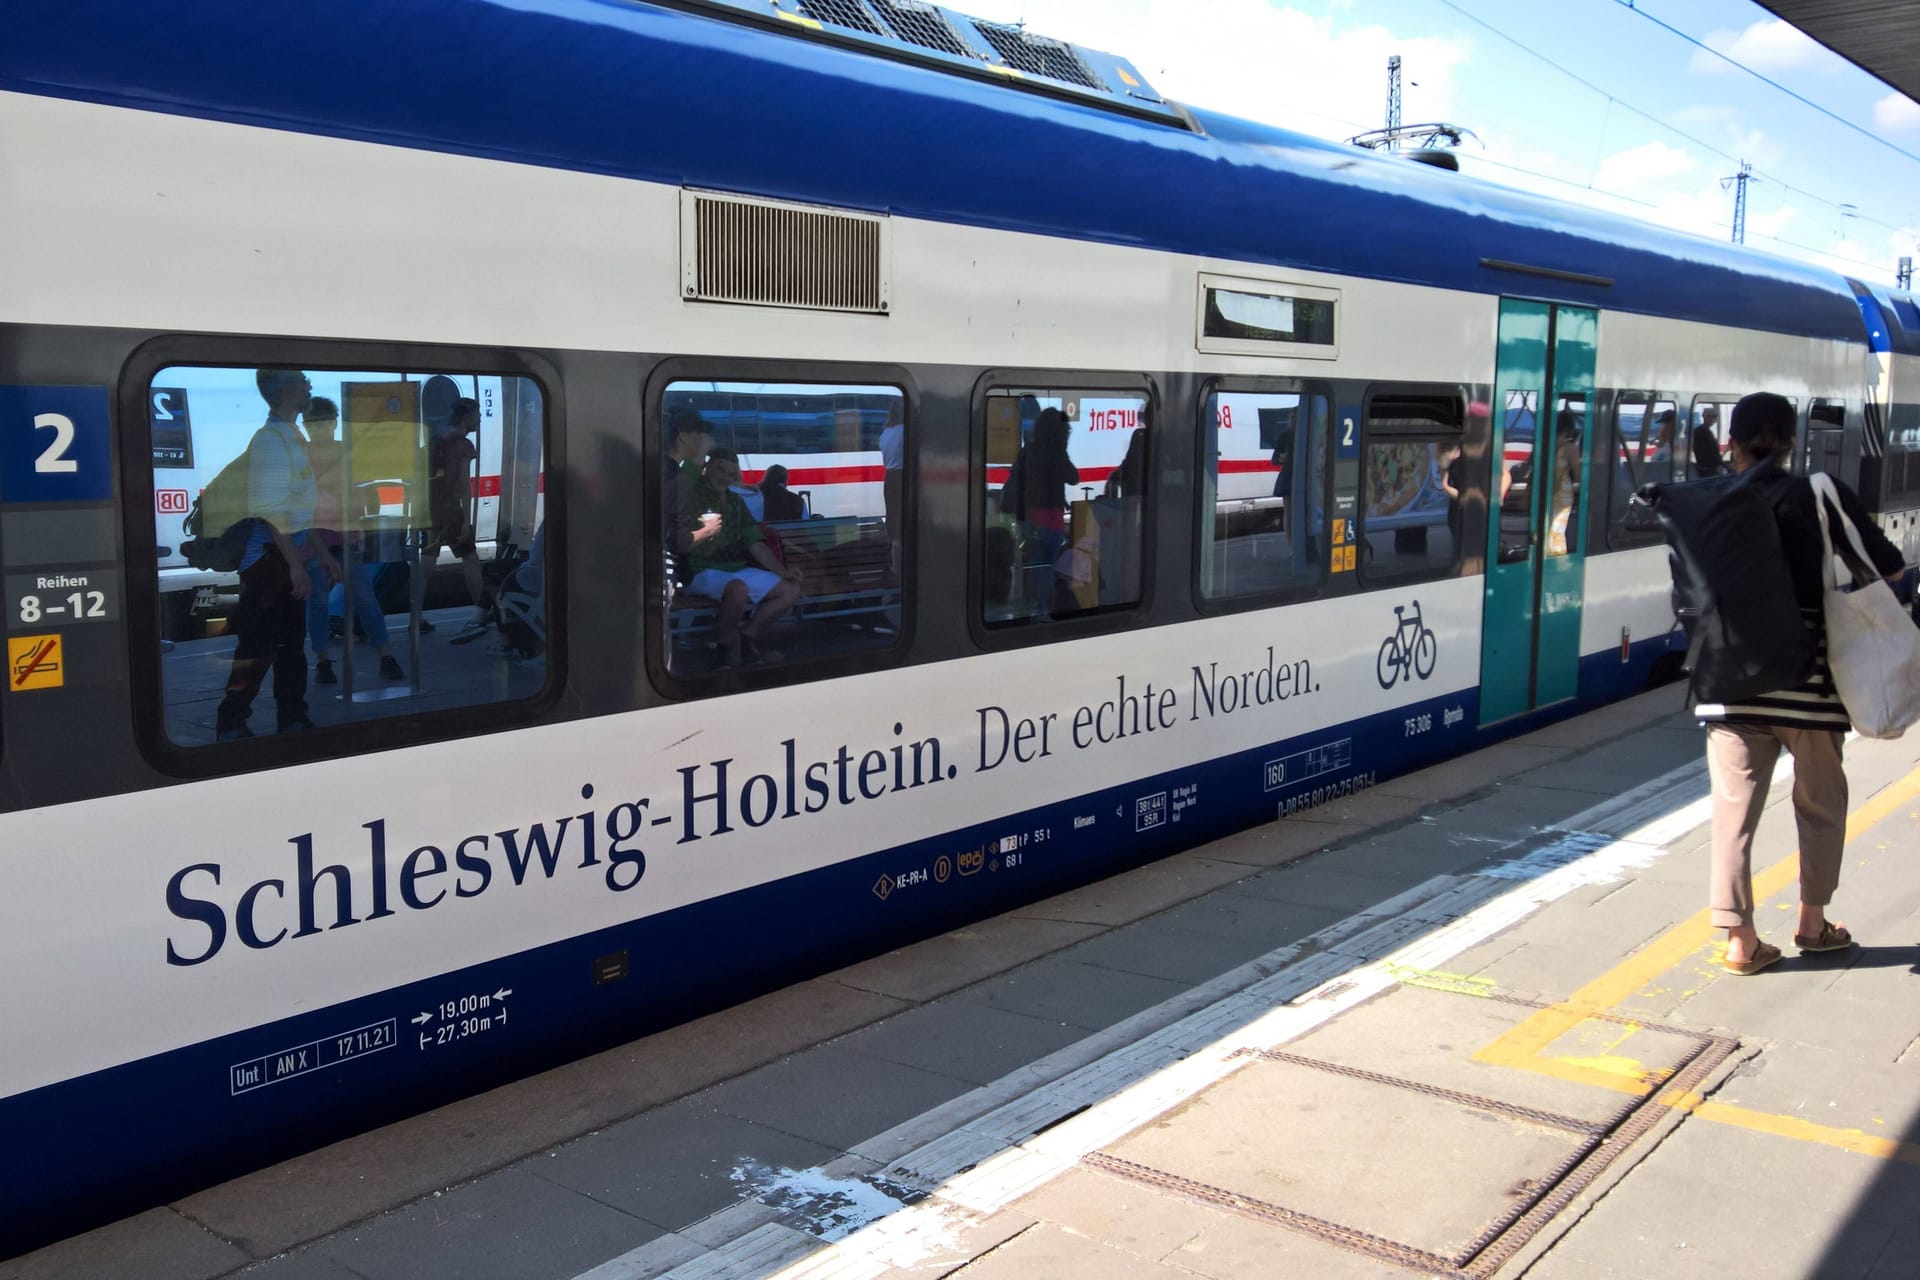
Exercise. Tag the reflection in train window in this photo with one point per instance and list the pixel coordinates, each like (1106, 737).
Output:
(1646, 450)
(1564, 474)
(1409, 528)
(1263, 521)
(1066, 494)
(337, 546)
(783, 519)
(1826, 434)
(1707, 435)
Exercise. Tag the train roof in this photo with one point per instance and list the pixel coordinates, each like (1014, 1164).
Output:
(682, 95)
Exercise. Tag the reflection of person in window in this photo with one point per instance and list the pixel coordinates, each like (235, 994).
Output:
(1045, 472)
(268, 622)
(1129, 479)
(1661, 448)
(1453, 479)
(688, 438)
(450, 459)
(322, 420)
(1705, 443)
(1566, 480)
(779, 503)
(728, 558)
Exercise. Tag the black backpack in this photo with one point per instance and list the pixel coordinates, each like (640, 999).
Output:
(217, 527)
(1732, 592)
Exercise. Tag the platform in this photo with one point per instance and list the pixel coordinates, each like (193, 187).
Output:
(1469, 1023)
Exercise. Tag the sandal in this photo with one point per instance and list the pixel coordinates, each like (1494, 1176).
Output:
(1832, 937)
(1764, 955)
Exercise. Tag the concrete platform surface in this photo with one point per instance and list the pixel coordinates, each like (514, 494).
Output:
(1477, 1028)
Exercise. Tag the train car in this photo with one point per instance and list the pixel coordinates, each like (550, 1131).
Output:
(1235, 369)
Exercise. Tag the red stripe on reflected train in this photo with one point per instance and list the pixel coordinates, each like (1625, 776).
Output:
(802, 477)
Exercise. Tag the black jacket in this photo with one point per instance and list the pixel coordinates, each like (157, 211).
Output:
(1794, 508)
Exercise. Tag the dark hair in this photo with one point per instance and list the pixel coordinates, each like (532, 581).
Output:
(1763, 425)
(776, 475)
(274, 381)
(464, 408)
(685, 420)
(322, 407)
(1050, 429)
(723, 455)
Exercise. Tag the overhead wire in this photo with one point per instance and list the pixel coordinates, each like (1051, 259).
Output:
(1769, 81)
(1844, 208)
(1830, 255)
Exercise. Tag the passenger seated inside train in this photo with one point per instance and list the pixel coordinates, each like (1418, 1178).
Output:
(730, 559)
(833, 535)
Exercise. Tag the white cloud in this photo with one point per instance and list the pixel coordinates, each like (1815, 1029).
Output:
(1638, 171)
(1767, 46)
(1896, 113)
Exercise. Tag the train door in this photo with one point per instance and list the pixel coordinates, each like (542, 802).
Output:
(1536, 561)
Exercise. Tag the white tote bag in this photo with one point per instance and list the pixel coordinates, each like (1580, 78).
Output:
(1872, 643)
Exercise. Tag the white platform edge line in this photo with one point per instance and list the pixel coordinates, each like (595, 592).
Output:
(916, 1232)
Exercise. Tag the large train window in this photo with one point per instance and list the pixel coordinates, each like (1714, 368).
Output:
(1646, 450)
(1065, 493)
(783, 518)
(1409, 527)
(1263, 514)
(338, 546)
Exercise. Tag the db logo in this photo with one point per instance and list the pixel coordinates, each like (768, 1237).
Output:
(171, 502)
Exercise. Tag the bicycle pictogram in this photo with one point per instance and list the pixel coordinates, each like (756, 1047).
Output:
(1410, 651)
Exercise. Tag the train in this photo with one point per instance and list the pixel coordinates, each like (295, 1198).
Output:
(1161, 474)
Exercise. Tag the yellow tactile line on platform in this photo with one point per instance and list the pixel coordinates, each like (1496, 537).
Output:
(1525, 1045)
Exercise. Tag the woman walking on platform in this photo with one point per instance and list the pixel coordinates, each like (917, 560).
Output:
(1744, 738)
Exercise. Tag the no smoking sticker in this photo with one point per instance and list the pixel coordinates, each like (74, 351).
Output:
(34, 662)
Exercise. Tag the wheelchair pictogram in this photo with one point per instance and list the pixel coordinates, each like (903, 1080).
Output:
(1410, 651)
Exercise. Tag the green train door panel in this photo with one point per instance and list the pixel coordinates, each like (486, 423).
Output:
(1536, 557)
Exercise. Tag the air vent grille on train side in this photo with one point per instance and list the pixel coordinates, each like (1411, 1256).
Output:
(918, 22)
(851, 14)
(771, 254)
(926, 33)
(1037, 55)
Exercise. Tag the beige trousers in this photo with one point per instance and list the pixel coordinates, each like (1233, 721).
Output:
(1740, 760)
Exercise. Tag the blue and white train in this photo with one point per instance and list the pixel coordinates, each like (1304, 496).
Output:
(1304, 536)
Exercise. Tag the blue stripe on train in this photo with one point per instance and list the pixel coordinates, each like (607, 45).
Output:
(91, 1149)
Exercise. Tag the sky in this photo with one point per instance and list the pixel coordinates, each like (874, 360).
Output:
(1593, 101)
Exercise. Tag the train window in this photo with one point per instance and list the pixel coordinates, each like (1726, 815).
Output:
(1263, 519)
(1406, 444)
(353, 544)
(1066, 493)
(1252, 317)
(783, 518)
(1646, 432)
(1826, 429)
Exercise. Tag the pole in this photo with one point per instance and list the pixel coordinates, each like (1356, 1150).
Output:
(1393, 103)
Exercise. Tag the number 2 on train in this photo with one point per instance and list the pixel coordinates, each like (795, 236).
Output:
(54, 460)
